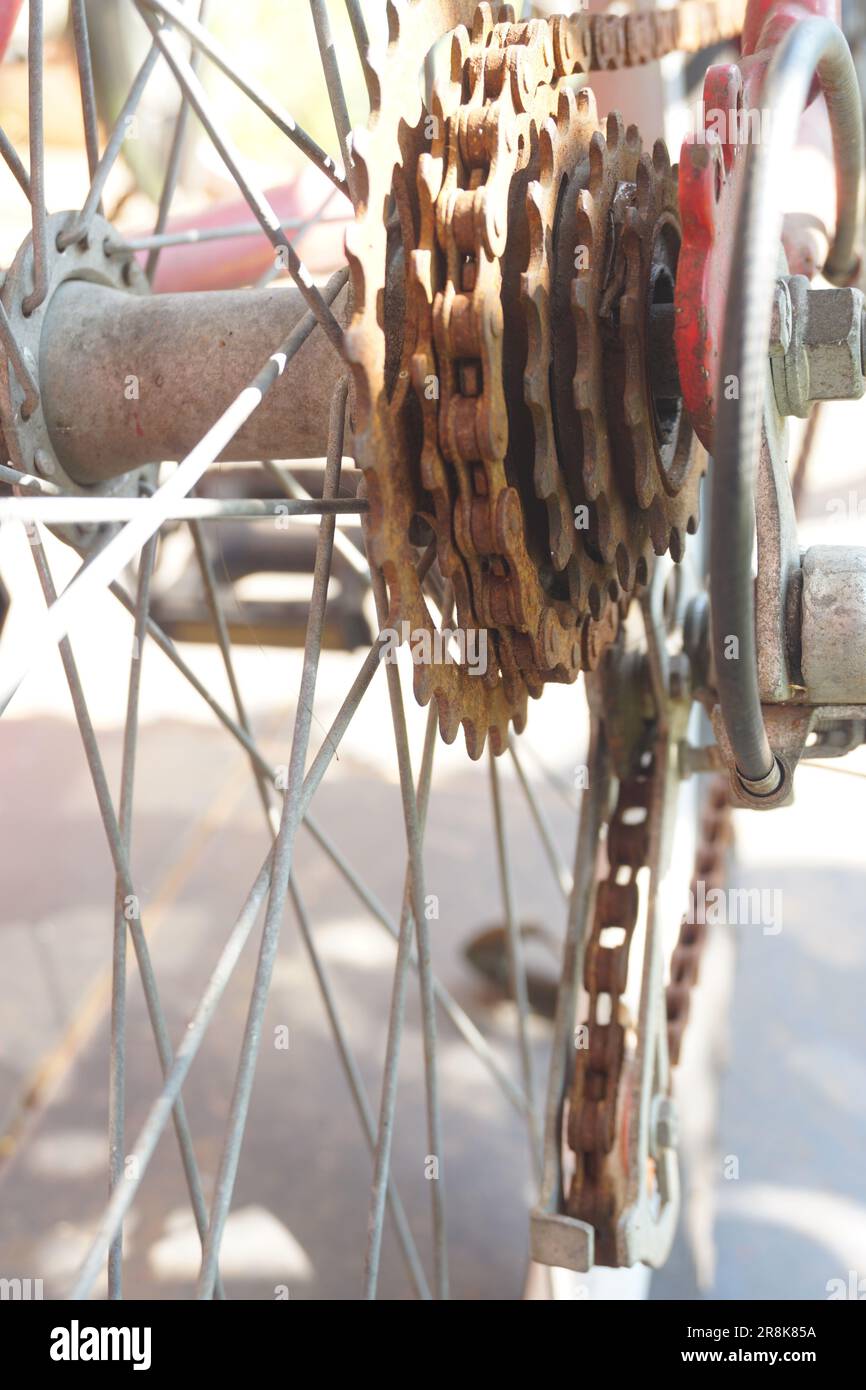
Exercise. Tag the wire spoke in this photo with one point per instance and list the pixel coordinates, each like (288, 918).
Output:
(109, 563)
(195, 236)
(334, 83)
(10, 156)
(351, 551)
(281, 118)
(554, 779)
(221, 630)
(414, 815)
(26, 379)
(117, 1076)
(84, 62)
(304, 225)
(330, 743)
(454, 1012)
(121, 866)
(362, 43)
(349, 1064)
(290, 820)
(162, 1108)
(557, 864)
(359, 1094)
(457, 1016)
(353, 1076)
(168, 1098)
(517, 965)
(828, 767)
(56, 510)
(258, 203)
(26, 481)
(266, 786)
(388, 1101)
(35, 64)
(79, 225)
(175, 155)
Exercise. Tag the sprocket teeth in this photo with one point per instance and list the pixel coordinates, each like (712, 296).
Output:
(566, 109)
(585, 242)
(476, 739)
(575, 584)
(397, 14)
(361, 169)
(547, 138)
(590, 431)
(422, 683)
(393, 475)
(662, 159)
(587, 105)
(615, 130)
(449, 719)
(653, 221)
(658, 524)
(597, 163)
(498, 736)
(623, 567)
(645, 186)
(644, 481)
(563, 145)
(534, 637)
(606, 540)
(595, 601)
(482, 23)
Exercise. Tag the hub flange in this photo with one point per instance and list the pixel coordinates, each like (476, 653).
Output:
(28, 439)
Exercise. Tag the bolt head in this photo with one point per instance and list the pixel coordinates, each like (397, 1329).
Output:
(832, 341)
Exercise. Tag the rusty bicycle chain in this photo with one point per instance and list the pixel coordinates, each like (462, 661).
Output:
(714, 840)
(512, 81)
(612, 42)
(594, 1122)
(509, 71)
(410, 485)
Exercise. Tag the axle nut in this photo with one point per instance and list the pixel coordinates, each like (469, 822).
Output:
(816, 354)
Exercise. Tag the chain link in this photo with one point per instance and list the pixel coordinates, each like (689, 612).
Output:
(597, 1126)
(714, 841)
(594, 1120)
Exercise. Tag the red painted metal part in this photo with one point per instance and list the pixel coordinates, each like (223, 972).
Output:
(8, 14)
(711, 168)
